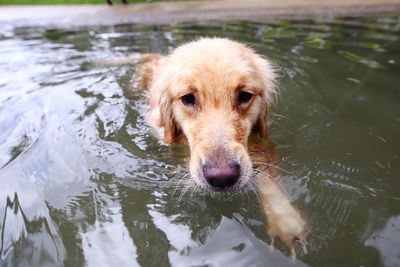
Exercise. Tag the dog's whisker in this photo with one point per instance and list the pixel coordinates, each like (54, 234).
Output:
(183, 188)
(193, 191)
(275, 180)
(190, 184)
(179, 183)
(239, 190)
(176, 179)
(273, 166)
(251, 187)
(259, 163)
(256, 181)
(247, 194)
(183, 192)
(283, 128)
(278, 115)
(258, 171)
(255, 192)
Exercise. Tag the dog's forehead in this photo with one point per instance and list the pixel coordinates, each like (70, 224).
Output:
(216, 71)
(214, 68)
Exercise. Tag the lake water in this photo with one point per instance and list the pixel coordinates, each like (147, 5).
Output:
(83, 182)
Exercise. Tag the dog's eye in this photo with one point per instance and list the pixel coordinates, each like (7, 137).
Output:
(244, 97)
(188, 100)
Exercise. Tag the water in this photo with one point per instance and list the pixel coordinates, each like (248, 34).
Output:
(84, 183)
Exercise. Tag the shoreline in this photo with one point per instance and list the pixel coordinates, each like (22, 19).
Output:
(197, 11)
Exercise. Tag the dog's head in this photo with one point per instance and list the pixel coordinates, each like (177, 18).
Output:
(214, 92)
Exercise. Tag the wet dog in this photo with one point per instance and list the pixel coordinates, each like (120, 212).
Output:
(215, 93)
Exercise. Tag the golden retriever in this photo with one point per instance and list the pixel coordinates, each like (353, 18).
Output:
(215, 92)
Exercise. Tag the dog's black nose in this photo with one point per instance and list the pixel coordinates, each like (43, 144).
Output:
(221, 178)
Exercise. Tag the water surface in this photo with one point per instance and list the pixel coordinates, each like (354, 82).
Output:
(83, 182)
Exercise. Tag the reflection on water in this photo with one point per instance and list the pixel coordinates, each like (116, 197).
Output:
(84, 183)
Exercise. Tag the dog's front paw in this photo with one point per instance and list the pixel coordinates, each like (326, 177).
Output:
(289, 227)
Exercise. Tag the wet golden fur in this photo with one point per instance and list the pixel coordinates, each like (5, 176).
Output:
(217, 127)
(214, 70)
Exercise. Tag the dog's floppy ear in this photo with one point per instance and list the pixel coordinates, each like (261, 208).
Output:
(160, 114)
(167, 120)
(261, 125)
(267, 75)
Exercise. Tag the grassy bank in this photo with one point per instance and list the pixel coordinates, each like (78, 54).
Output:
(62, 2)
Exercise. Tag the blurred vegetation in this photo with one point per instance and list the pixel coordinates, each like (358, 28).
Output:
(63, 2)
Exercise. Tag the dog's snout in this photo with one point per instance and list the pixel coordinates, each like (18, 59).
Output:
(221, 178)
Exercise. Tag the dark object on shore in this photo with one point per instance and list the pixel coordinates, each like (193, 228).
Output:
(110, 3)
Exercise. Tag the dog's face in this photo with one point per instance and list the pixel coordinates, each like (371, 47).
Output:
(214, 92)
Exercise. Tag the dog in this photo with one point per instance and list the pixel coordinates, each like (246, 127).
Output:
(215, 93)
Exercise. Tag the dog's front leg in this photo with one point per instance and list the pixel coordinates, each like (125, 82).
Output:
(284, 221)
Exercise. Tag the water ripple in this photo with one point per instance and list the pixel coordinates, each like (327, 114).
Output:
(82, 176)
